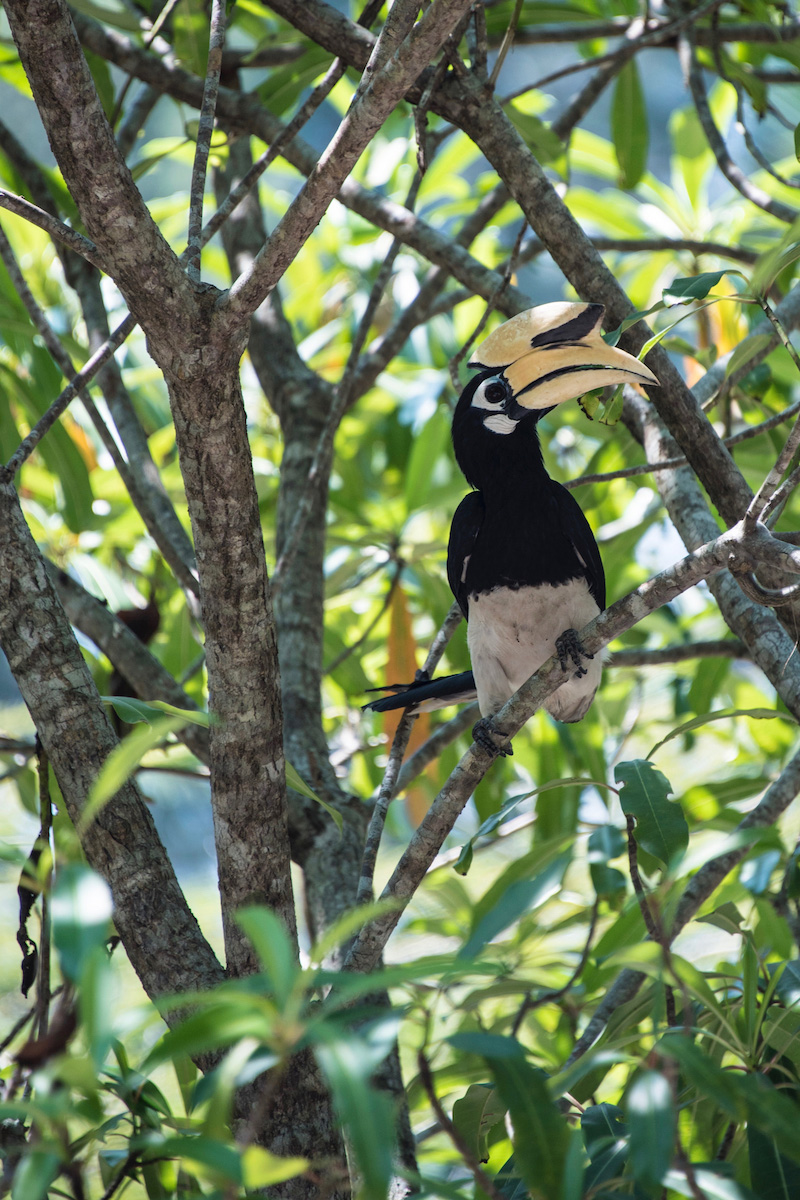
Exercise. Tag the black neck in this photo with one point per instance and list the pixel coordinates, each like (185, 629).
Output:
(500, 465)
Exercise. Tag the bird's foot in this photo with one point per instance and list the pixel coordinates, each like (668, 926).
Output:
(484, 733)
(570, 647)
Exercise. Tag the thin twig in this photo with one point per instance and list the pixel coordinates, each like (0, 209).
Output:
(205, 129)
(730, 170)
(482, 1179)
(655, 930)
(491, 304)
(348, 650)
(738, 87)
(342, 400)
(384, 798)
(152, 34)
(46, 824)
(506, 44)
(442, 737)
(530, 1004)
(52, 226)
(389, 784)
(78, 383)
(668, 464)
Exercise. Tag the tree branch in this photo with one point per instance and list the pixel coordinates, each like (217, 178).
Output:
(160, 934)
(205, 128)
(730, 170)
(370, 108)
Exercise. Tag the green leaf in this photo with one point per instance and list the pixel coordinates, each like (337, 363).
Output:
(746, 351)
(81, 911)
(704, 1074)
(425, 453)
(123, 761)
(261, 1169)
(475, 1114)
(661, 827)
(34, 1175)
(488, 1045)
(220, 1157)
(725, 714)
(712, 1185)
(366, 1113)
(541, 1135)
(652, 1124)
(696, 287)
(605, 1136)
(273, 946)
(521, 897)
(491, 823)
(629, 130)
(788, 984)
(771, 1111)
(726, 917)
(132, 711)
(540, 139)
(295, 781)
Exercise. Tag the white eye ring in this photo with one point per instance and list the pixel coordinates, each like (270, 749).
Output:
(491, 393)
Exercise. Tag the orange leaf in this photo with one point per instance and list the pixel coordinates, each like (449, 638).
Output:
(401, 668)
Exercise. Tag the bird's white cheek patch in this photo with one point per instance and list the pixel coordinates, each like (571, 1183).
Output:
(500, 423)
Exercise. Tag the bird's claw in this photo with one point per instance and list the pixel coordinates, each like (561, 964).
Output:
(569, 646)
(483, 732)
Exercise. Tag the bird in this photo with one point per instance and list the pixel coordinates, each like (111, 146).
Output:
(522, 561)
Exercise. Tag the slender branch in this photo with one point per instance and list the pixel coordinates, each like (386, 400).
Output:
(242, 113)
(506, 44)
(668, 245)
(127, 654)
(62, 402)
(639, 36)
(531, 1003)
(205, 129)
(165, 544)
(442, 737)
(51, 225)
(482, 1179)
(685, 652)
(43, 977)
(390, 783)
(741, 118)
(387, 599)
(367, 113)
(730, 170)
(638, 886)
(386, 793)
(661, 32)
(342, 399)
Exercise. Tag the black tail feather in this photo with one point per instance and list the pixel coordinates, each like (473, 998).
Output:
(425, 697)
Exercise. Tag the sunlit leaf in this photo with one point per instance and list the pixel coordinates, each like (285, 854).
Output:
(652, 1123)
(661, 827)
(629, 128)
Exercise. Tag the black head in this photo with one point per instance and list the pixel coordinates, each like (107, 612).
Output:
(492, 432)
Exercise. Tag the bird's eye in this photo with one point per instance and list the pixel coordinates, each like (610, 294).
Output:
(495, 393)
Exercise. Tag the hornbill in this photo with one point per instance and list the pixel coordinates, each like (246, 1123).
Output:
(522, 561)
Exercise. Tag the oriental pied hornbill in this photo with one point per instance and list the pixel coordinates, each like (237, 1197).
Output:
(522, 561)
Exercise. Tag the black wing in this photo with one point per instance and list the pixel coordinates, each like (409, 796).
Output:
(463, 533)
(579, 531)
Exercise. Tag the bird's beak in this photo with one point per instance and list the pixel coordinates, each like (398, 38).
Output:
(554, 353)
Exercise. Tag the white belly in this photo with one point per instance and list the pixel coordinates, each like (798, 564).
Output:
(511, 632)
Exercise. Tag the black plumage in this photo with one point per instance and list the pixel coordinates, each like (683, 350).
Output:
(522, 562)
